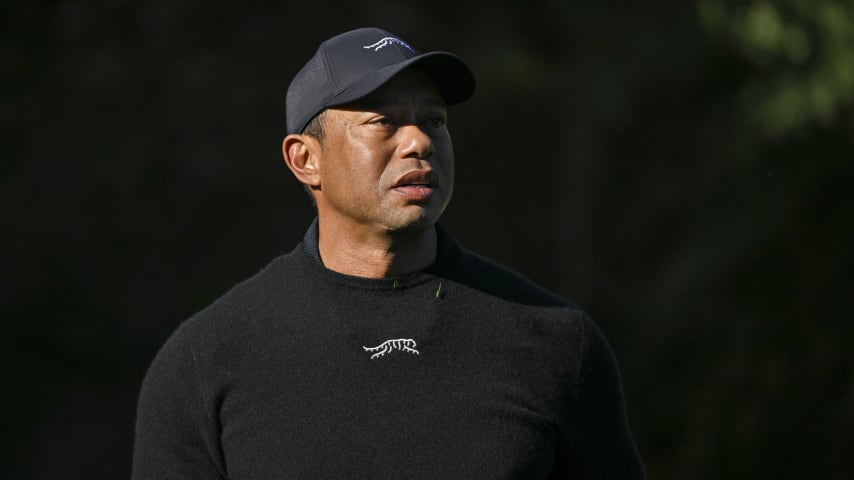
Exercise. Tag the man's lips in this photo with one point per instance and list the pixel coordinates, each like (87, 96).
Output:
(418, 178)
(417, 185)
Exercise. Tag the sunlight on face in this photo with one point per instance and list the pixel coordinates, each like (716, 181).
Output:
(387, 160)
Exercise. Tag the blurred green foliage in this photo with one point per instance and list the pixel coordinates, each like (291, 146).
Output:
(681, 170)
(802, 52)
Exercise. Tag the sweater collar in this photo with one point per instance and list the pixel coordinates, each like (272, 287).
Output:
(447, 248)
(309, 243)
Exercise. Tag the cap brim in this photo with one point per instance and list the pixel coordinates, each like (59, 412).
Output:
(453, 78)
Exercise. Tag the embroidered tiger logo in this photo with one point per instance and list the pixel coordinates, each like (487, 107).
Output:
(386, 41)
(402, 344)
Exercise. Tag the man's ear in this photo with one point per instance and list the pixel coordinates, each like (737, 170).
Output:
(301, 153)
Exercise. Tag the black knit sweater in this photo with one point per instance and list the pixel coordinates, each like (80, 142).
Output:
(463, 370)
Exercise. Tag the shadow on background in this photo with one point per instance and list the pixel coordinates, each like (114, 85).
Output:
(683, 172)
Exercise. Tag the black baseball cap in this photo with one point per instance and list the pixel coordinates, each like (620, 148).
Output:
(351, 65)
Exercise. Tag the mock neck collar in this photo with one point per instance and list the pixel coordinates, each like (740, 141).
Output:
(447, 249)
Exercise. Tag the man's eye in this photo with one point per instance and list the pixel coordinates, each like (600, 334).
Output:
(385, 121)
(436, 121)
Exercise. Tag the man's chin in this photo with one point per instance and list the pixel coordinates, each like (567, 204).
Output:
(421, 222)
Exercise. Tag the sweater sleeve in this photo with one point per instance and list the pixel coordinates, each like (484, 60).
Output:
(600, 442)
(176, 437)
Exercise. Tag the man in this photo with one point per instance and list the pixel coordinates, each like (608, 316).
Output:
(378, 347)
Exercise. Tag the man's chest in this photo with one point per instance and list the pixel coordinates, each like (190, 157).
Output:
(419, 404)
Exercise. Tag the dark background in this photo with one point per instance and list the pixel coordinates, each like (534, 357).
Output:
(681, 169)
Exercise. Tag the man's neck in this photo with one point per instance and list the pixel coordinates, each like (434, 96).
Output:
(368, 253)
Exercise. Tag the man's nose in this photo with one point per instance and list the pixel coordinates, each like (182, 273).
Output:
(415, 142)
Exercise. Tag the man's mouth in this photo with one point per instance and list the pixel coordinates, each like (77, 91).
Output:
(417, 185)
(419, 179)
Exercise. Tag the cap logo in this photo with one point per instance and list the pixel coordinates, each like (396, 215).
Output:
(386, 41)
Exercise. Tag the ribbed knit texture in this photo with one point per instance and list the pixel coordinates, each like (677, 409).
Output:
(471, 372)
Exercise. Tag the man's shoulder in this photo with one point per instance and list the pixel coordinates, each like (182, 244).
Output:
(496, 279)
(256, 297)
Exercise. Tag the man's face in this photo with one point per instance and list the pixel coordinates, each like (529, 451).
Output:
(387, 161)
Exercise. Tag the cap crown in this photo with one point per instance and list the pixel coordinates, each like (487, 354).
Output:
(353, 64)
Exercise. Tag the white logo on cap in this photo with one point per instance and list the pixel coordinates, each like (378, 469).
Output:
(386, 41)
